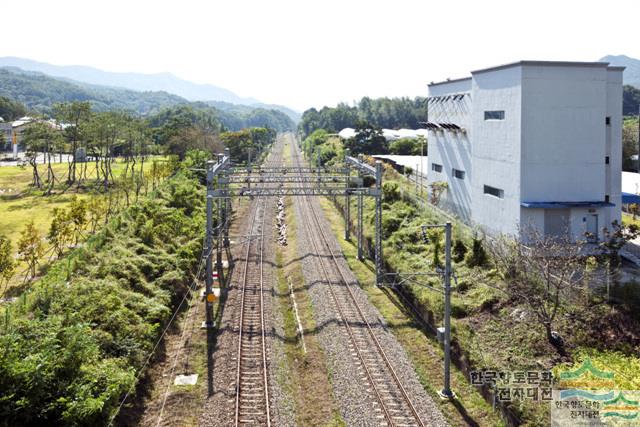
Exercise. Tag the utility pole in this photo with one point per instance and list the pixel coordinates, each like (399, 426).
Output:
(209, 250)
(359, 231)
(421, 163)
(378, 221)
(347, 204)
(445, 333)
(446, 391)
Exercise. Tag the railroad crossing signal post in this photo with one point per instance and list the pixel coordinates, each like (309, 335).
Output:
(347, 206)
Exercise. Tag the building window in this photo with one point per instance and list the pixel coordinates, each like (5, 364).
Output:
(494, 115)
(606, 198)
(457, 173)
(436, 167)
(607, 121)
(492, 191)
(606, 160)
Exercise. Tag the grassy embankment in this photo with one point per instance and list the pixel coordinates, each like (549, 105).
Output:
(75, 342)
(21, 203)
(423, 349)
(493, 332)
(628, 219)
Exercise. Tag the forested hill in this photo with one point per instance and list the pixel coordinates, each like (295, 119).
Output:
(39, 92)
(631, 73)
(159, 82)
(394, 113)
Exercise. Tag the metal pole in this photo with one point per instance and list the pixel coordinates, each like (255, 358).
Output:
(378, 237)
(421, 164)
(227, 202)
(446, 391)
(249, 170)
(638, 138)
(347, 205)
(224, 181)
(359, 232)
(209, 249)
(220, 225)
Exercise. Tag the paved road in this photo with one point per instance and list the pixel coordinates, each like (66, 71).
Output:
(40, 159)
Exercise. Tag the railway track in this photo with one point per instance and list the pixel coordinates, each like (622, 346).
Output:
(252, 403)
(252, 385)
(392, 404)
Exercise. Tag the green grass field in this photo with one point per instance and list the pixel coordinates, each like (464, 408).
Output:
(21, 203)
(629, 219)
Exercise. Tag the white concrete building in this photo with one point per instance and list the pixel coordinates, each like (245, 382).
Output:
(532, 143)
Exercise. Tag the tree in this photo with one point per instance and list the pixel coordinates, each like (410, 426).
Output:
(30, 249)
(11, 110)
(545, 274)
(41, 137)
(614, 239)
(96, 210)
(368, 140)
(459, 250)
(406, 147)
(77, 217)
(75, 115)
(437, 188)
(7, 263)
(630, 100)
(478, 255)
(60, 231)
(629, 144)
(32, 138)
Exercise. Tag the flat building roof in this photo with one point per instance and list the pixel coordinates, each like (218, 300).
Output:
(538, 64)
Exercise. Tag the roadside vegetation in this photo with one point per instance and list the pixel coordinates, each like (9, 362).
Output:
(497, 325)
(98, 254)
(111, 160)
(72, 346)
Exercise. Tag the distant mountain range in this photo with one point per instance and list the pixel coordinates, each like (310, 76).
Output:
(631, 74)
(160, 82)
(39, 92)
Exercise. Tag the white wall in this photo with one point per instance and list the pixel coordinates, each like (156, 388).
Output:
(614, 110)
(496, 149)
(550, 147)
(563, 133)
(452, 149)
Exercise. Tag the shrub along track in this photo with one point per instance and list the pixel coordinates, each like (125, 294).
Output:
(374, 386)
(248, 348)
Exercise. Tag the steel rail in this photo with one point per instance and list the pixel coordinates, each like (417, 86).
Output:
(262, 320)
(378, 346)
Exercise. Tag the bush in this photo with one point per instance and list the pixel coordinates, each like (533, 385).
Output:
(459, 251)
(390, 191)
(70, 349)
(478, 255)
